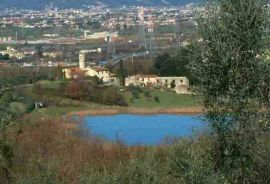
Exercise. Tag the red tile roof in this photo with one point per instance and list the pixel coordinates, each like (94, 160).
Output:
(99, 69)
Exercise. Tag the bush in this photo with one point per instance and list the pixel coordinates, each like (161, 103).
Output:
(156, 98)
(173, 85)
(6, 156)
(112, 96)
(19, 76)
(147, 94)
(143, 171)
(41, 172)
(79, 89)
(95, 177)
(17, 108)
(191, 162)
(135, 90)
(88, 91)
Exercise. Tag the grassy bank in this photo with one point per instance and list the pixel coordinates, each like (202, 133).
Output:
(141, 101)
(149, 98)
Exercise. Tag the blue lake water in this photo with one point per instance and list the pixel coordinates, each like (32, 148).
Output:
(143, 129)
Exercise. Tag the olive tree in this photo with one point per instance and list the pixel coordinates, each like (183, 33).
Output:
(232, 79)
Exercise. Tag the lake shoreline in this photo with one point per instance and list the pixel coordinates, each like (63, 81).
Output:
(140, 111)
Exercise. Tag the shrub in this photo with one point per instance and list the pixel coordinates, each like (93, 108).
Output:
(135, 90)
(41, 172)
(112, 96)
(191, 162)
(17, 108)
(156, 98)
(147, 94)
(6, 156)
(95, 177)
(173, 85)
(79, 89)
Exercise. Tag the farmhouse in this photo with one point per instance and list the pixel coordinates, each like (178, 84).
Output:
(179, 84)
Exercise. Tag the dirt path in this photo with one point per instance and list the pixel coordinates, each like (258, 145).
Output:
(131, 110)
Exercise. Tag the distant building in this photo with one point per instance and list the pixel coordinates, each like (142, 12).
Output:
(6, 39)
(52, 54)
(181, 84)
(28, 65)
(28, 51)
(96, 71)
(142, 80)
(50, 35)
(73, 73)
(100, 35)
(13, 53)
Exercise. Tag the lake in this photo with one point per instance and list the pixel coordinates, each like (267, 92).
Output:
(135, 129)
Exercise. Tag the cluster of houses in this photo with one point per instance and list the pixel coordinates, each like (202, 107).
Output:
(29, 51)
(13, 53)
(96, 71)
(179, 84)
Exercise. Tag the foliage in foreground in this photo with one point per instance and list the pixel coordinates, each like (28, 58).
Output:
(233, 81)
(48, 152)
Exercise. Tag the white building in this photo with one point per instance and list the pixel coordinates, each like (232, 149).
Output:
(83, 71)
(181, 84)
(13, 53)
(100, 35)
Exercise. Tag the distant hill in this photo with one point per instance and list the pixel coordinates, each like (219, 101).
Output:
(40, 4)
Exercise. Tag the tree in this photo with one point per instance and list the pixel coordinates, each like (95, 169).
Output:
(59, 73)
(173, 84)
(79, 89)
(40, 55)
(230, 78)
(4, 57)
(122, 72)
(95, 25)
(111, 96)
(179, 65)
(163, 65)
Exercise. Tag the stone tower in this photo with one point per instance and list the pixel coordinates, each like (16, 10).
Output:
(82, 60)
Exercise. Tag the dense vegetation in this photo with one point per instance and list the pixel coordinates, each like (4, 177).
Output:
(20, 76)
(4, 57)
(90, 91)
(179, 65)
(174, 63)
(234, 83)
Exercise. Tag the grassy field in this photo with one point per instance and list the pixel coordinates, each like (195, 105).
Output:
(55, 112)
(59, 105)
(159, 99)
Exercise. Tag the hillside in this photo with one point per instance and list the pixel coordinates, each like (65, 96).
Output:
(40, 4)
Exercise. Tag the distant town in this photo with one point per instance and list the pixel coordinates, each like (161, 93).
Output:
(117, 31)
